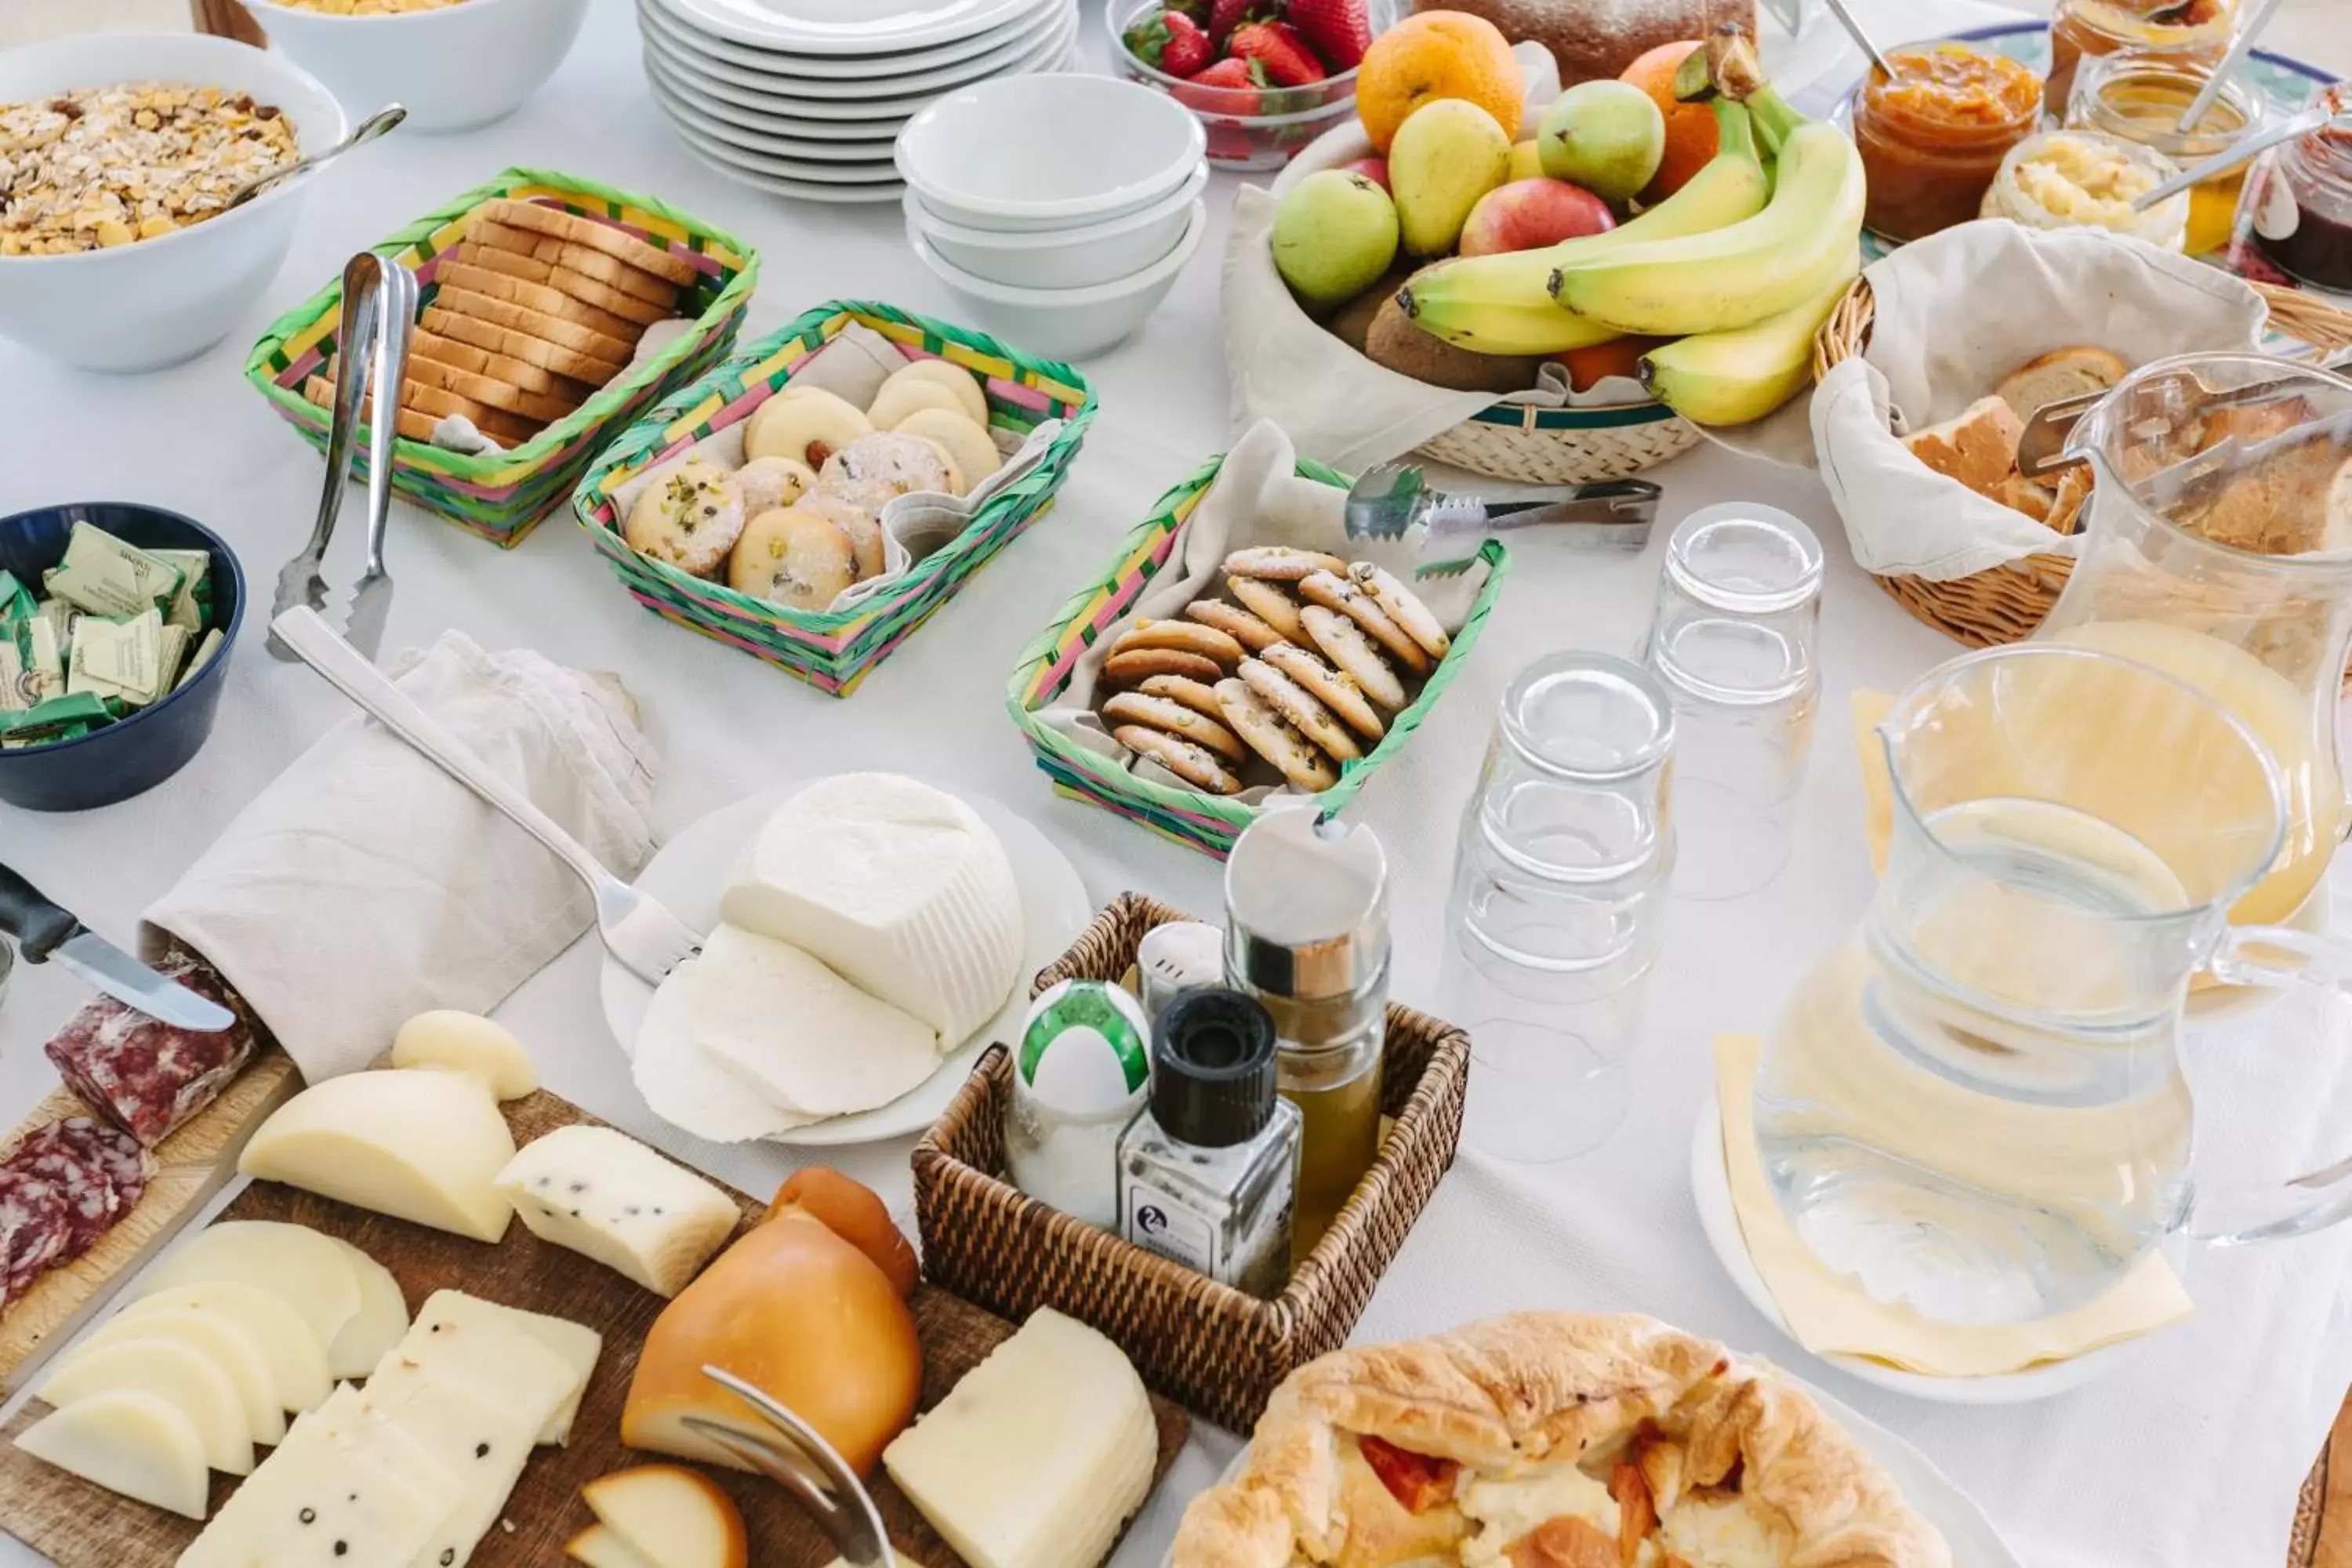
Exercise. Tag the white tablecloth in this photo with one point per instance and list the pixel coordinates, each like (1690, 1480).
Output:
(2191, 1458)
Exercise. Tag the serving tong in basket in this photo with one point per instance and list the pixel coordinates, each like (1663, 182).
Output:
(805, 1465)
(1388, 501)
(2043, 448)
(379, 300)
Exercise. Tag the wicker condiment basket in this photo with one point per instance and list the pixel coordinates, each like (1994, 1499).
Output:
(2004, 604)
(1213, 1349)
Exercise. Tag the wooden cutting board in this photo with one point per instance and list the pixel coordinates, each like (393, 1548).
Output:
(79, 1525)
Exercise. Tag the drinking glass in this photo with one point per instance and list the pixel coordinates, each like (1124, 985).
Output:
(1558, 904)
(1733, 642)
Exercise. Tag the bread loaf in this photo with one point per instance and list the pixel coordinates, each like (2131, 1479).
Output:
(1601, 37)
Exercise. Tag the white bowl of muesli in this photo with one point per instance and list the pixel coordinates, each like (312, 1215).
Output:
(118, 153)
(454, 65)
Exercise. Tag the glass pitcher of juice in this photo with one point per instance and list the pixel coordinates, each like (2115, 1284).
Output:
(2212, 551)
(1975, 1106)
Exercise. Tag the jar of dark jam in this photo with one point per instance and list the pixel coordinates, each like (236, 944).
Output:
(2303, 218)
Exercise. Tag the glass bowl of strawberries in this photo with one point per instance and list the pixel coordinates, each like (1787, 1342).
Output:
(1266, 77)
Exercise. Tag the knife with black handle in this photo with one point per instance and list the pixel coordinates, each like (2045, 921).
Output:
(46, 932)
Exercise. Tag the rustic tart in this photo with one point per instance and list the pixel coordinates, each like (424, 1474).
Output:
(1551, 1440)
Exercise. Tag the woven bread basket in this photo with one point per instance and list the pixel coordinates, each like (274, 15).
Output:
(1208, 1346)
(1564, 445)
(2005, 604)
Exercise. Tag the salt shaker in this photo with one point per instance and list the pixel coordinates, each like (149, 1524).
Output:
(1078, 1079)
(1177, 957)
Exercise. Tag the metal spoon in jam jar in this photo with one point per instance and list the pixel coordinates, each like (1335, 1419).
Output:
(1853, 28)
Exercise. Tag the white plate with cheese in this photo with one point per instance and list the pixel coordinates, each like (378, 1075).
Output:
(692, 871)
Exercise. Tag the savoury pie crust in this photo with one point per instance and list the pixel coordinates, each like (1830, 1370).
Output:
(1678, 1428)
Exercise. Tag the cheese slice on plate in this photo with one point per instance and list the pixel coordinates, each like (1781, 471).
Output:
(285, 1342)
(292, 1262)
(799, 1034)
(131, 1443)
(689, 1088)
(604, 1195)
(174, 1370)
(898, 887)
(468, 1339)
(230, 1347)
(1039, 1456)
(421, 1146)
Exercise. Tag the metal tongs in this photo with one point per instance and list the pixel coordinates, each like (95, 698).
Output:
(2042, 450)
(1387, 502)
(806, 1465)
(380, 299)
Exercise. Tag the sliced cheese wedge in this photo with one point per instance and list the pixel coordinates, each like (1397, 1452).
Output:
(467, 1338)
(685, 1085)
(469, 1043)
(134, 1444)
(285, 1340)
(377, 1326)
(601, 1546)
(230, 1348)
(800, 1035)
(482, 1430)
(603, 1194)
(421, 1146)
(292, 1262)
(670, 1515)
(173, 1371)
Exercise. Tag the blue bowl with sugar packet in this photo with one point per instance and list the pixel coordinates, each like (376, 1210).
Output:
(132, 754)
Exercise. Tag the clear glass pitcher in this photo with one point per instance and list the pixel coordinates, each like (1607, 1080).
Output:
(2218, 547)
(1976, 1105)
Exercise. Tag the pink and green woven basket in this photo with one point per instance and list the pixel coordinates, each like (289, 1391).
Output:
(1195, 819)
(503, 495)
(834, 649)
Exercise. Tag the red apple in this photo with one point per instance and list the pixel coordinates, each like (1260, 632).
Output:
(1373, 169)
(1527, 214)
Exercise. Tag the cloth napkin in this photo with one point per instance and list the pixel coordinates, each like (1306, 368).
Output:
(1832, 1316)
(365, 886)
(1257, 498)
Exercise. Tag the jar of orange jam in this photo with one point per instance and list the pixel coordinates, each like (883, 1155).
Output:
(2140, 97)
(1933, 135)
(2200, 35)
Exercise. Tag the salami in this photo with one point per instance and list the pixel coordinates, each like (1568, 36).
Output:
(102, 1172)
(145, 1075)
(34, 1229)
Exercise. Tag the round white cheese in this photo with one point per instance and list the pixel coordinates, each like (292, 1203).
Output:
(801, 1034)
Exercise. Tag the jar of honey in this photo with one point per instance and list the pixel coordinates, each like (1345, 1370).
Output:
(2303, 214)
(1933, 135)
(2140, 97)
(2198, 36)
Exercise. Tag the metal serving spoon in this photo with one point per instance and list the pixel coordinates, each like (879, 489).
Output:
(365, 132)
(2263, 11)
(2326, 108)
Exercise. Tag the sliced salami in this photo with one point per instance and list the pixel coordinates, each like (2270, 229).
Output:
(91, 1200)
(147, 1077)
(34, 1229)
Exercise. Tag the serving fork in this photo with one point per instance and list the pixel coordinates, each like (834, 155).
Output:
(802, 1462)
(646, 938)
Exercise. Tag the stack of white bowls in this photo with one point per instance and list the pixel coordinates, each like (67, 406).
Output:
(1057, 209)
(804, 97)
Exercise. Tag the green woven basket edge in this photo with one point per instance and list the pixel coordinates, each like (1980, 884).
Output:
(731, 298)
(646, 431)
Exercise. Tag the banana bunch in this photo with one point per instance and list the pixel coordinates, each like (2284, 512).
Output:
(1741, 266)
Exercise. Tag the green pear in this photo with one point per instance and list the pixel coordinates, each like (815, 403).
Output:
(1606, 136)
(1447, 155)
(1334, 235)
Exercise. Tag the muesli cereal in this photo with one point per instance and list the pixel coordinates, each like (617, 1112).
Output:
(102, 166)
(368, 7)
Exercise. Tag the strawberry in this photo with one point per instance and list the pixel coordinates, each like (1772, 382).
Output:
(1232, 74)
(1224, 15)
(1338, 29)
(1277, 47)
(1172, 41)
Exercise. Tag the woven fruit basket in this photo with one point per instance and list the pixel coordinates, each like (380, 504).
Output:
(1195, 819)
(834, 649)
(1564, 445)
(503, 495)
(2007, 603)
(1211, 1348)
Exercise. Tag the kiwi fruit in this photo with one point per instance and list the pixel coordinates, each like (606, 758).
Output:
(1352, 325)
(1395, 342)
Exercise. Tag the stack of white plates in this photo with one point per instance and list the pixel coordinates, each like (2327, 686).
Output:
(804, 97)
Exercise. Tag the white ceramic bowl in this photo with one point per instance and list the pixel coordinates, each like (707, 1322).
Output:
(157, 301)
(1067, 323)
(1063, 257)
(1048, 152)
(454, 68)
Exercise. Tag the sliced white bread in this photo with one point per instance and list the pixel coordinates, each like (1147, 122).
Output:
(1978, 447)
(2061, 373)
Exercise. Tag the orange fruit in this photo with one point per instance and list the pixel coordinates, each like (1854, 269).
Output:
(1690, 127)
(1438, 54)
(1587, 367)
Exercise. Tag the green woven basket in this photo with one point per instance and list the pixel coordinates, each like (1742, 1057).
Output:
(1193, 817)
(833, 650)
(502, 495)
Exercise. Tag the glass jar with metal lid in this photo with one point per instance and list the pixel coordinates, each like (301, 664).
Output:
(2140, 96)
(2200, 34)
(2303, 217)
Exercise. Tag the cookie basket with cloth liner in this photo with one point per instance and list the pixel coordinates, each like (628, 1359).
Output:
(1038, 413)
(1343, 409)
(502, 495)
(1259, 493)
(1216, 1349)
(1937, 325)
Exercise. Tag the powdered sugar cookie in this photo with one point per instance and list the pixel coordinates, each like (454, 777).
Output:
(809, 427)
(1267, 603)
(961, 384)
(1188, 762)
(857, 525)
(1299, 705)
(768, 483)
(1160, 713)
(1249, 630)
(1345, 595)
(875, 471)
(1280, 563)
(1271, 737)
(691, 517)
(1343, 642)
(1335, 688)
(796, 557)
(1388, 592)
(975, 456)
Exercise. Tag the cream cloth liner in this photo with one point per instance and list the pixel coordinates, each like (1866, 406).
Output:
(1257, 499)
(1943, 337)
(853, 367)
(1829, 1315)
(363, 886)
